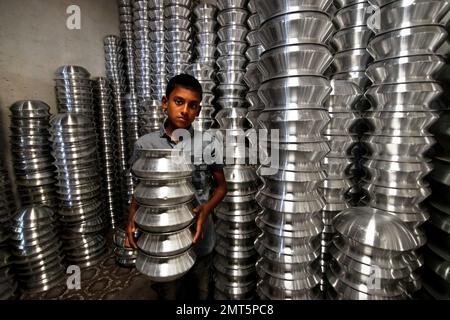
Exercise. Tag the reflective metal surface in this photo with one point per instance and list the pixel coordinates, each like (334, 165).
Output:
(29, 124)
(34, 230)
(165, 269)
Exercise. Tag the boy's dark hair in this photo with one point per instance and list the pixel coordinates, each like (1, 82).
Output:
(185, 81)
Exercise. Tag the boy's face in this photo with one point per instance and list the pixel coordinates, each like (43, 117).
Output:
(182, 106)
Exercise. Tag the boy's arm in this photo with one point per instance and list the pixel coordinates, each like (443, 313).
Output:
(131, 228)
(205, 210)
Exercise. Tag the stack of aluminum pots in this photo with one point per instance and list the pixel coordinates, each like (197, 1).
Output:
(205, 75)
(115, 74)
(293, 91)
(36, 249)
(204, 71)
(177, 25)
(165, 215)
(104, 110)
(152, 50)
(142, 47)
(372, 254)
(437, 254)
(74, 145)
(350, 63)
(202, 178)
(33, 162)
(204, 67)
(126, 33)
(81, 210)
(339, 162)
(132, 120)
(234, 262)
(132, 128)
(232, 61)
(253, 76)
(206, 34)
(125, 256)
(350, 42)
(407, 37)
(8, 284)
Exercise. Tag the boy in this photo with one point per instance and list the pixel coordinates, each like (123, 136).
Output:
(181, 104)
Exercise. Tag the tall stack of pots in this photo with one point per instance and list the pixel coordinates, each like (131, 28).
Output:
(339, 163)
(368, 267)
(151, 48)
(126, 33)
(407, 37)
(74, 145)
(107, 134)
(33, 162)
(253, 74)
(350, 63)
(294, 35)
(115, 74)
(178, 36)
(36, 247)
(142, 47)
(165, 215)
(234, 261)
(205, 61)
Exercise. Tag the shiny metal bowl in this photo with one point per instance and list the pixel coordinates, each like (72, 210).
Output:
(295, 60)
(397, 174)
(233, 33)
(404, 14)
(162, 164)
(404, 97)
(405, 69)
(407, 42)
(235, 16)
(296, 125)
(165, 269)
(165, 244)
(354, 15)
(351, 61)
(232, 48)
(352, 38)
(415, 124)
(164, 193)
(268, 9)
(294, 92)
(401, 201)
(153, 219)
(296, 28)
(402, 149)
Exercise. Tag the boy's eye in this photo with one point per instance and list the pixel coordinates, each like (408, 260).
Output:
(194, 106)
(178, 101)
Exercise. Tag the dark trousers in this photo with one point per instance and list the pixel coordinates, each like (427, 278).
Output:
(194, 285)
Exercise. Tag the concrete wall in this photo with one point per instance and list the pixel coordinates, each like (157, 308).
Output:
(34, 42)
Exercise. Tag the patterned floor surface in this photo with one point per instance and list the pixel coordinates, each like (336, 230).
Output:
(105, 281)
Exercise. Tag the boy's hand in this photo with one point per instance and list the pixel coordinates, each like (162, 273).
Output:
(129, 239)
(202, 213)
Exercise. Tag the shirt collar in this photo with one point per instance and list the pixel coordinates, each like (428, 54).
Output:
(162, 131)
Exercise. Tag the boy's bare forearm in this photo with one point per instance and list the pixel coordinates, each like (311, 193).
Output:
(219, 193)
(217, 197)
(132, 210)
